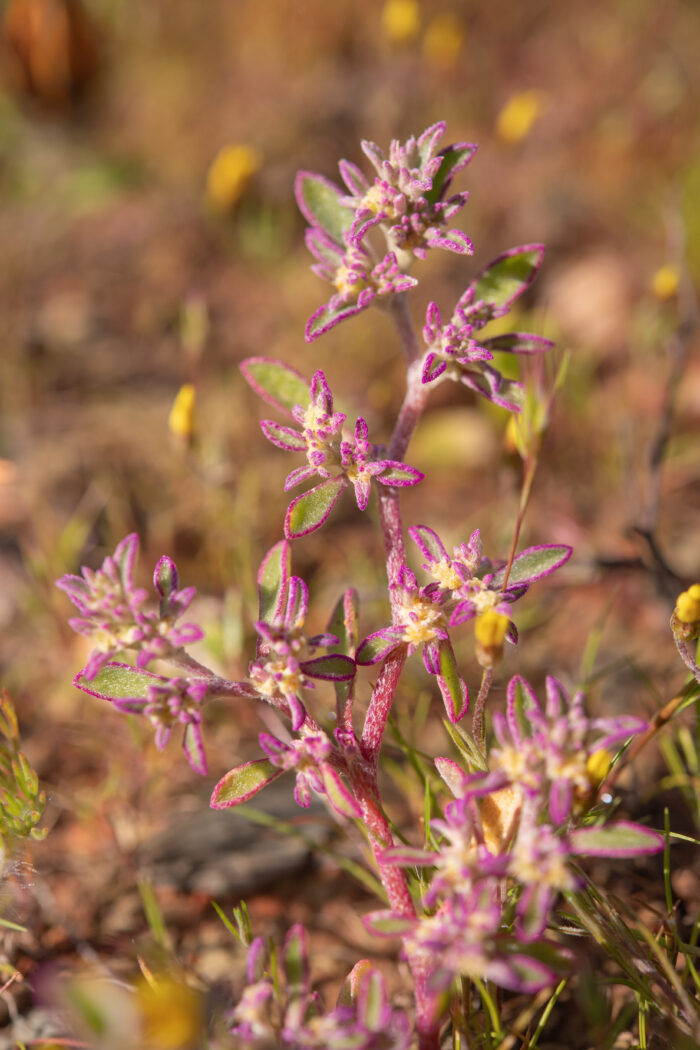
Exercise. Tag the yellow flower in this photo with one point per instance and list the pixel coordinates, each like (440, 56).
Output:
(490, 629)
(229, 174)
(517, 117)
(181, 418)
(401, 20)
(664, 283)
(598, 766)
(688, 605)
(171, 1013)
(443, 40)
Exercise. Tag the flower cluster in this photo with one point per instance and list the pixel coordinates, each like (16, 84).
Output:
(516, 822)
(406, 201)
(338, 459)
(288, 1014)
(465, 586)
(111, 615)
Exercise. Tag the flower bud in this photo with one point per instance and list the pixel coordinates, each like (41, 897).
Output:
(685, 622)
(490, 629)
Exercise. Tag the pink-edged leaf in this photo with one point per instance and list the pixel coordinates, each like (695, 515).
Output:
(410, 856)
(428, 542)
(331, 668)
(507, 277)
(277, 383)
(374, 1011)
(117, 681)
(376, 647)
(296, 961)
(517, 343)
(273, 576)
(399, 475)
(283, 437)
(454, 158)
(452, 685)
(533, 564)
(319, 202)
(339, 794)
(309, 511)
(453, 775)
(241, 783)
(343, 623)
(353, 178)
(622, 839)
(194, 748)
(388, 923)
(327, 317)
(125, 555)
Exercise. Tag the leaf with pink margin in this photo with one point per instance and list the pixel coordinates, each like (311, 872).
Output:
(286, 438)
(319, 202)
(376, 647)
(333, 667)
(327, 317)
(309, 511)
(453, 775)
(622, 839)
(517, 343)
(295, 958)
(534, 563)
(410, 856)
(452, 685)
(241, 783)
(338, 793)
(278, 384)
(116, 681)
(454, 158)
(388, 923)
(273, 576)
(508, 276)
(429, 543)
(125, 556)
(194, 749)
(399, 475)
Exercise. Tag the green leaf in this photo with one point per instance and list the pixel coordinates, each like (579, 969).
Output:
(622, 839)
(309, 511)
(508, 276)
(119, 682)
(277, 383)
(533, 564)
(452, 158)
(452, 687)
(241, 783)
(272, 579)
(319, 202)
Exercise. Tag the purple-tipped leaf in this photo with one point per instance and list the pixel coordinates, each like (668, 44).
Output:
(507, 277)
(241, 783)
(331, 668)
(453, 775)
(125, 555)
(388, 923)
(452, 685)
(533, 564)
(399, 475)
(338, 793)
(376, 647)
(165, 577)
(623, 839)
(309, 511)
(517, 343)
(117, 681)
(277, 383)
(273, 576)
(296, 962)
(343, 623)
(327, 317)
(454, 158)
(194, 748)
(319, 202)
(283, 437)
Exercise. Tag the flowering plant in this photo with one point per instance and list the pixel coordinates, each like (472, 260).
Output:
(472, 900)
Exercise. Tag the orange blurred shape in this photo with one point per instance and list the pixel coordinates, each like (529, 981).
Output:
(443, 40)
(50, 50)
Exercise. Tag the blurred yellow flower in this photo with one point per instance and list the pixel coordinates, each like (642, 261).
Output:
(688, 605)
(181, 418)
(401, 20)
(598, 766)
(443, 40)
(664, 283)
(517, 117)
(171, 1014)
(490, 629)
(229, 174)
